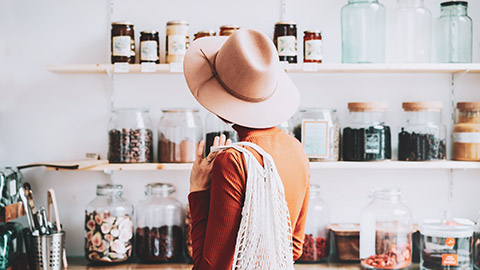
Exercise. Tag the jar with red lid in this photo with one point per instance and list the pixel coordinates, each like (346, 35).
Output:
(123, 42)
(312, 46)
(285, 39)
(228, 30)
(149, 47)
(201, 34)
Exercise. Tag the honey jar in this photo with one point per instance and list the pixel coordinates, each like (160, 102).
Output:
(123, 42)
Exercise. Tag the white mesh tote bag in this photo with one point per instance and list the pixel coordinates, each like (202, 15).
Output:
(264, 240)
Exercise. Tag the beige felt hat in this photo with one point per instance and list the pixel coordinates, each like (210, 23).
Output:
(240, 79)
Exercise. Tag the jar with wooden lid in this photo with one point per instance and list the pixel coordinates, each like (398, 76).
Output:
(201, 34)
(177, 41)
(422, 136)
(149, 47)
(285, 39)
(123, 42)
(312, 46)
(466, 132)
(228, 30)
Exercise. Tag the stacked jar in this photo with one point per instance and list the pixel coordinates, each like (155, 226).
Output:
(466, 132)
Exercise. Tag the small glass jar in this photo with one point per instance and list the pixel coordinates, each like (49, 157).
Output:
(386, 232)
(228, 30)
(366, 137)
(315, 245)
(109, 226)
(422, 136)
(466, 132)
(160, 217)
(214, 126)
(123, 42)
(446, 244)
(179, 133)
(347, 241)
(312, 46)
(177, 41)
(200, 34)
(319, 132)
(285, 39)
(130, 136)
(149, 47)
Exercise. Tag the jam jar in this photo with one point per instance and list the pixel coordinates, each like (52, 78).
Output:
(285, 39)
(177, 41)
(123, 42)
(214, 126)
(109, 226)
(228, 30)
(200, 34)
(149, 47)
(466, 132)
(312, 46)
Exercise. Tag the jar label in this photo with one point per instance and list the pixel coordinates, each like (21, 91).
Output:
(313, 49)
(315, 138)
(466, 137)
(450, 259)
(372, 144)
(287, 46)
(149, 50)
(177, 45)
(121, 46)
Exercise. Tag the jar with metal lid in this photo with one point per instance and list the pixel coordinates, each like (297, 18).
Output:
(319, 132)
(422, 136)
(149, 47)
(386, 231)
(200, 34)
(130, 136)
(214, 126)
(228, 30)
(123, 42)
(446, 244)
(366, 137)
(160, 217)
(285, 39)
(312, 46)
(109, 226)
(179, 132)
(177, 41)
(466, 132)
(315, 245)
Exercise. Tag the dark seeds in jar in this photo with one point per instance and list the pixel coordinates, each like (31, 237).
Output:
(130, 145)
(314, 249)
(417, 147)
(164, 244)
(365, 144)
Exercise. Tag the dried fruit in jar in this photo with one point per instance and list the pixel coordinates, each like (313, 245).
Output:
(314, 249)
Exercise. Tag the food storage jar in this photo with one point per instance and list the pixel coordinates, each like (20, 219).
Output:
(10, 182)
(454, 33)
(160, 217)
(179, 132)
(11, 244)
(476, 246)
(130, 136)
(123, 42)
(315, 245)
(285, 39)
(347, 241)
(446, 244)
(228, 30)
(363, 32)
(366, 136)
(205, 33)
(109, 226)
(214, 126)
(422, 135)
(386, 231)
(149, 47)
(177, 41)
(188, 234)
(466, 132)
(312, 46)
(319, 132)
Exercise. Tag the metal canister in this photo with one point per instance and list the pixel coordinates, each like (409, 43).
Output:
(285, 39)
(123, 42)
(177, 41)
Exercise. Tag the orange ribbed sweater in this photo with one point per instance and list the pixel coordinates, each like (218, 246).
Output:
(216, 213)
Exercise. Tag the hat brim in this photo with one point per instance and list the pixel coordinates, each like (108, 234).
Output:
(210, 94)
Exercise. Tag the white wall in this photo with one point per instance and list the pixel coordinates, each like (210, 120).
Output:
(47, 117)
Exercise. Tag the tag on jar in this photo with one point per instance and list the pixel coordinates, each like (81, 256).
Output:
(310, 66)
(176, 67)
(148, 67)
(121, 67)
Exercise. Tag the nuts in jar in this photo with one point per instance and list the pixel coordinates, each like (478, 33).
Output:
(123, 42)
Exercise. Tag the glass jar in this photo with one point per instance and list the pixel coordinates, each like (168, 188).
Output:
(179, 133)
(454, 33)
(446, 244)
(149, 47)
(319, 132)
(123, 42)
(160, 217)
(188, 235)
(466, 132)
(177, 41)
(214, 126)
(363, 32)
(130, 136)
(411, 32)
(315, 245)
(366, 137)
(228, 30)
(11, 244)
(312, 46)
(386, 232)
(347, 241)
(109, 226)
(422, 136)
(285, 39)
(200, 34)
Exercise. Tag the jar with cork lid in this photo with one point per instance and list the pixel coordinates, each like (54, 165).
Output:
(466, 132)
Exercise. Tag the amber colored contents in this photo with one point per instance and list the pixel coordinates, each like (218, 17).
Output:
(201, 34)
(392, 259)
(228, 30)
(123, 29)
(150, 36)
(182, 152)
(468, 122)
(282, 30)
(310, 35)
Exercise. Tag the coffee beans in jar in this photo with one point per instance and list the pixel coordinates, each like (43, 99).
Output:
(312, 46)
(201, 34)
(285, 39)
(177, 41)
(123, 42)
(149, 47)
(228, 30)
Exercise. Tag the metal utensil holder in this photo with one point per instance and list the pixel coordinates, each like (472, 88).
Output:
(49, 250)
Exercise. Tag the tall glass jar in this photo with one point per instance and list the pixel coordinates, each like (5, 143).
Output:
(130, 136)
(315, 245)
(179, 132)
(363, 32)
(366, 137)
(214, 126)
(466, 132)
(422, 136)
(319, 132)
(454, 33)
(109, 226)
(386, 232)
(411, 32)
(160, 217)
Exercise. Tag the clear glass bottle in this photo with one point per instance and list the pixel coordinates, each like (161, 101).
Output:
(363, 32)
(214, 126)
(386, 232)
(422, 136)
(466, 132)
(130, 136)
(454, 33)
(179, 132)
(159, 236)
(109, 226)
(315, 246)
(411, 32)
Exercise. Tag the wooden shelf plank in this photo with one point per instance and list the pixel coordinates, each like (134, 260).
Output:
(11, 212)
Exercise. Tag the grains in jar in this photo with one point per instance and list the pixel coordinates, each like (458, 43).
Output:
(149, 47)
(201, 34)
(177, 41)
(285, 39)
(228, 30)
(123, 42)
(466, 132)
(312, 46)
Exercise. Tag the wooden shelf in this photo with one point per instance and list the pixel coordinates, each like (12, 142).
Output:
(11, 212)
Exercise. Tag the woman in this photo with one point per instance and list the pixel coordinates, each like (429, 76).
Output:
(240, 80)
